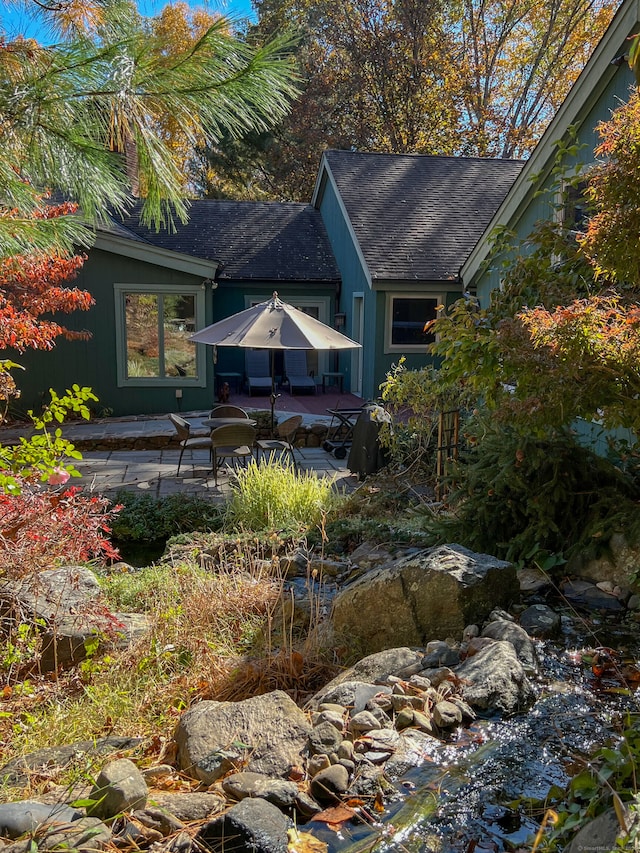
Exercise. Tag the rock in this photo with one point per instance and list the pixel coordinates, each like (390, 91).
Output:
(363, 721)
(539, 620)
(281, 793)
(88, 833)
(377, 667)
(317, 763)
(324, 739)
(634, 602)
(267, 734)
(586, 594)
(18, 771)
(352, 694)
(597, 834)
(533, 580)
(446, 715)
(369, 554)
(334, 718)
(189, 807)
(18, 818)
(158, 820)
(252, 825)
(519, 639)
(120, 787)
(322, 569)
(441, 655)
(157, 772)
(423, 597)
(617, 565)
(67, 601)
(495, 680)
(412, 748)
(329, 785)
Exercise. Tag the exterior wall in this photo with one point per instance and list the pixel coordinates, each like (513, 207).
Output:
(93, 362)
(354, 281)
(536, 207)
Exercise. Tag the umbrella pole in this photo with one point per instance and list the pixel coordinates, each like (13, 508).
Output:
(273, 391)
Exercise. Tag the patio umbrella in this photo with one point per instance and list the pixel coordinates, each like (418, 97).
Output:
(273, 325)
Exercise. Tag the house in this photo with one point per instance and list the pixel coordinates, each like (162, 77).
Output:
(385, 240)
(401, 226)
(154, 289)
(603, 84)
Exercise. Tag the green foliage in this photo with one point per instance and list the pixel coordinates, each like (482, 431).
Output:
(523, 497)
(274, 497)
(415, 398)
(144, 518)
(107, 87)
(610, 779)
(41, 456)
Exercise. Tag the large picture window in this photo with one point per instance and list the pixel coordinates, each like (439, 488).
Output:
(153, 328)
(407, 315)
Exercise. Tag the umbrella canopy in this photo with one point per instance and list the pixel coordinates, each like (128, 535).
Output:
(273, 325)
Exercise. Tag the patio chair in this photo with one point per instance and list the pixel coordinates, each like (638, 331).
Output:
(295, 368)
(235, 441)
(188, 441)
(283, 443)
(225, 411)
(258, 370)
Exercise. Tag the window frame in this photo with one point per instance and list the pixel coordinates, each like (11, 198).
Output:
(389, 346)
(121, 289)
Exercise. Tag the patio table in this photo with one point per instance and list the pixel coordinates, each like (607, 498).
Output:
(218, 422)
(346, 421)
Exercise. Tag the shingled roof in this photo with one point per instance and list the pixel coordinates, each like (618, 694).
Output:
(417, 217)
(266, 241)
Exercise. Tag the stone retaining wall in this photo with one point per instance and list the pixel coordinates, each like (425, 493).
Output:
(312, 435)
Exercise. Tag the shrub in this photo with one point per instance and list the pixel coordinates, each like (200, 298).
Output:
(275, 497)
(143, 518)
(518, 497)
(41, 528)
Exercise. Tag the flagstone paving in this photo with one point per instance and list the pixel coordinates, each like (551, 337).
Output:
(154, 470)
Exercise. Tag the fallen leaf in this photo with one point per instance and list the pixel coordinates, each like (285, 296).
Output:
(336, 816)
(303, 842)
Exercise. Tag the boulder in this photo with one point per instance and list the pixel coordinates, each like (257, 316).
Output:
(17, 772)
(67, 603)
(18, 818)
(265, 734)
(252, 825)
(495, 680)
(280, 792)
(620, 561)
(426, 596)
(541, 621)
(120, 787)
(519, 639)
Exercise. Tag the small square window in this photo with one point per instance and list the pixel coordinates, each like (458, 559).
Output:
(407, 316)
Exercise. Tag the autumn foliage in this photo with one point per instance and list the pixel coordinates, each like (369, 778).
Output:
(32, 286)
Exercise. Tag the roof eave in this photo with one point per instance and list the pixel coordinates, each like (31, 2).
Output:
(583, 95)
(143, 251)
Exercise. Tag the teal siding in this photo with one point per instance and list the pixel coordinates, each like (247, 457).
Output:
(354, 280)
(376, 362)
(537, 207)
(93, 362)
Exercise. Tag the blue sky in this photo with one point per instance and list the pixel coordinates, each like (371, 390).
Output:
(14, 20)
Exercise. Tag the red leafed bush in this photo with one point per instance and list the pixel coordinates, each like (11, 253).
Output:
(41, 528)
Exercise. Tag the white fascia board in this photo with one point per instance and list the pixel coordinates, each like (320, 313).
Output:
(325, 175)
(581, 98)
(142, 251)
